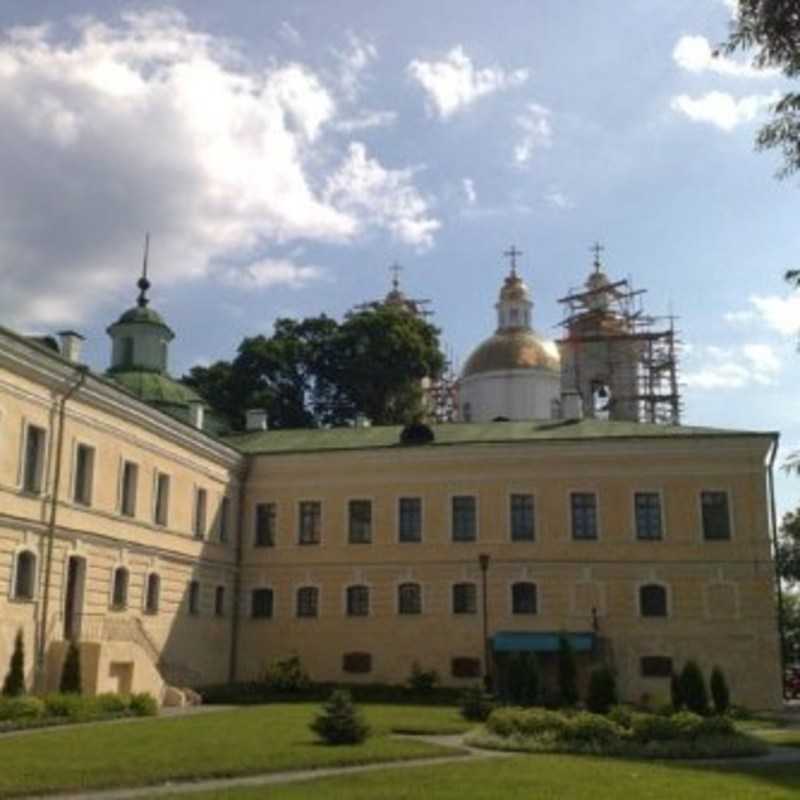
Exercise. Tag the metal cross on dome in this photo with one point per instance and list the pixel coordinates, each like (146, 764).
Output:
(596, 248)
(512, 254)
(395, 269)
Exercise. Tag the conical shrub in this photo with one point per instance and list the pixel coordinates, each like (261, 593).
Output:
(340, 722)
(14, 684)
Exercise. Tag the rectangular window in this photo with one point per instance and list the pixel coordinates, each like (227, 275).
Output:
(464, 519)
(262, 603)
(464, 598)
(647, 506)
(656, 666)
(219, 601)
(84, 471)
(161, 510)
(360, 521)
(33, 465)
(465, 667)
(357, 663)
(310, 522)
(584, 515)
(130, 481)
(200, 500)
(224, 518)
(522, 520)
(357, 601)
(194, 597)
(409, 519)
(716, 516)
(265, 525)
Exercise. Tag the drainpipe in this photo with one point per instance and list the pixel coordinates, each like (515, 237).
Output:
(41, 644)
(774, 523)
(488, 678)
(233, 665)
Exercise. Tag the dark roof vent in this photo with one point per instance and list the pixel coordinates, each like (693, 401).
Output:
(416, 433)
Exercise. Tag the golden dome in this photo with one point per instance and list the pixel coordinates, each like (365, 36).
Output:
(510, 349)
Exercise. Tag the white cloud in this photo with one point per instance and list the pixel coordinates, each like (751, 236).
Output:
(781, 314)
(353, 60)
(289, 33)
(366, 120)
(695, 54)
(537, 133)
(713, 367)
(147, 124)
(722, 109)
(382, 197)
(468, 188)
(453, 83)
(739, 317)
(271, 272)
(558, 199)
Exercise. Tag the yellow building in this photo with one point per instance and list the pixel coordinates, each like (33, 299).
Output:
(177, 557)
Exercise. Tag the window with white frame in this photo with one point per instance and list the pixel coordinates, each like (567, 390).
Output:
(310, 522)
(130, 484)
(647, 509)
(33, 459)
(357, 601)
(119, 590)
(583, 506)
(265, 525)
(465, 598)
(716, 516)
(307, 601)
(161, 509)
(200, 507)
(152, 594)
(25, 575)
(524, 598)
(359, 521)
(653, 600)
(522, 518)
(409, 519)
(464, 518)
(409, 598)
(84, 473)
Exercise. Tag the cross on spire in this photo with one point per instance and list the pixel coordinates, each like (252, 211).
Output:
(395, 269)
(596, 248)
(512, 254)
(143, 283)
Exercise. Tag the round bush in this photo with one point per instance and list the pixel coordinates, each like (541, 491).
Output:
(20, 707)
(64, 705)
(587, 727)
(716, 726)
(507, 722)
(143, 705)
(621, 715)
(110, 703)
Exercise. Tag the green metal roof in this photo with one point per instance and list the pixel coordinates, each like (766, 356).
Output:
(315, 440)
(142, 314)
(155, 388)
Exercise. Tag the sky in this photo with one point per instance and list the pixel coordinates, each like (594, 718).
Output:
(283, 155)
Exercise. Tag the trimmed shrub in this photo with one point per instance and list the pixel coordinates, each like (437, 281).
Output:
(110, 703)
(587, 727)
(720, 694)
(143, 705)
(20, 707)
(14, 684)
(602, 694)
(476, 705)
(523, 679)
(71, 671)
(422, 681)
(651, 728)
(287, 675)
(526, 722)
(676, 697)
(716, 726)
(567, 672)
(621, 715)
(693, 688)
(340, 722)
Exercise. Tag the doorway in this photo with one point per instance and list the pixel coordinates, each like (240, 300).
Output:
(73, 600)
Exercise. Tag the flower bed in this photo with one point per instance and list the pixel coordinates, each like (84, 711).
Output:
(621, 733)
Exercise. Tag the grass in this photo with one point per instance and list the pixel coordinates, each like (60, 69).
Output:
(542, 778)
(225, 743)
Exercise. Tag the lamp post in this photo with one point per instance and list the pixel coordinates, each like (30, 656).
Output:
(483, 560)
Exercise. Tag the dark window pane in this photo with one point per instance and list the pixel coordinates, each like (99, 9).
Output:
(84, 463)
(219, 601)
(130, 481)
(523, 596)
(25, 577)
(120, 588)
(162, 499)
(464, 519)
(653, 600)
(648, 515)
(310, 522)
(410, 519)
(34, 458)
(522, 519)
(357, 601)
(194, 597)
(360, 521)
(357, 662)
(465, 668)
(716, 517)
(153, 592)
(265, 525)
(464, 598)
(201, 499)
(656, 666)
(409, 598)
(262, 603)
(584, 515)
(224, 512)
(307, 601)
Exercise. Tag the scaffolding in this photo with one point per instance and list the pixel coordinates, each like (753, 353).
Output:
(634, 352)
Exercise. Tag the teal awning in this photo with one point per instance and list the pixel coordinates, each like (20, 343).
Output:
(540, 642)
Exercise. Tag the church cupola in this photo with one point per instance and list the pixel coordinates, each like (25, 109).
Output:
(140, 337)
(514, 305)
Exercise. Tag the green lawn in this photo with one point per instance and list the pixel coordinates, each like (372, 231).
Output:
(542, 778)
(247, 740)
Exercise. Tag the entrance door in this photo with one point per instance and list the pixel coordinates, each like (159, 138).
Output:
(73, 601)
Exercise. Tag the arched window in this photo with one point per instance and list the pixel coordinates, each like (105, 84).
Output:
(409, 598)
(152, 594)
(307, 601)
(25, 576)
(357, 601)
(523, 598)
(653, 600)
(119, 593)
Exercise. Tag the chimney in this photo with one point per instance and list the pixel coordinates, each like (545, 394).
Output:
(255, 419)
(571, 405)
(71, 345)
(197, 414)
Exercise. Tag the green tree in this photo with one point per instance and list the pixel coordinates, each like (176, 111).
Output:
(14, 684)
(771, 30)
(340, 722)
(602, 692)
(788, 554)
(693, 688)
(720, 694)
(71, 671)
(523, 682)
(791, 626)
(567, 672)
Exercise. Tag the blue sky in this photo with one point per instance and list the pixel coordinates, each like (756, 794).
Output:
(284, 154)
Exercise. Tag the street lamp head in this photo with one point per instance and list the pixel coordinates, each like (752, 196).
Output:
(483, 560)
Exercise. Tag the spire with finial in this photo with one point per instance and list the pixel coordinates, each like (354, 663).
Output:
(596, 248)
(143, 283)
(395, 269)
(512, 254)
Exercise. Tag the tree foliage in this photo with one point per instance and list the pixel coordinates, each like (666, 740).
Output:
(771, 30)
(340, 722)
(567, 672)
(316, 371)
(602, 692)
(693, 688)
(788, 555)
(14, 684)
(71, 671)
(720, 693)
(791, 626)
